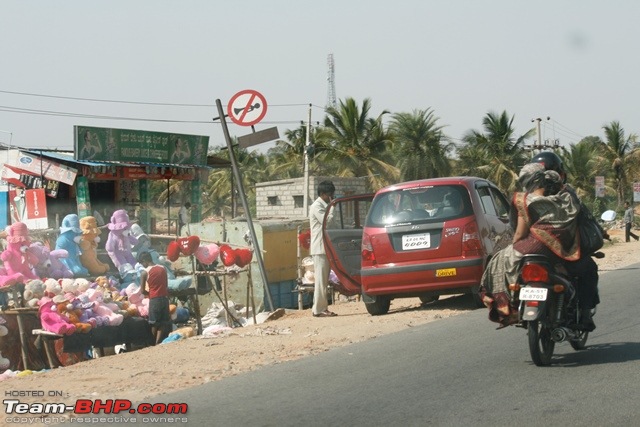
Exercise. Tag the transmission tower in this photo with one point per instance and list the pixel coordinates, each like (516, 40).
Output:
(331, 83)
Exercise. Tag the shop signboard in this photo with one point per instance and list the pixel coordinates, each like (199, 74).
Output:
(29, 207)
(36, 165)
(138, 146)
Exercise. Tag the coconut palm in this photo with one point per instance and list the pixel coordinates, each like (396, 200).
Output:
(621, 154)
(495, 154)
(421, 147)
(354, 144)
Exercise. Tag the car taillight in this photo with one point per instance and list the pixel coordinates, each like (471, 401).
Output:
(368, 257)
(534, 273)
(471, 245)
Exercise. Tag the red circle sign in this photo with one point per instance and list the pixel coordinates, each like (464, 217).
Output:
(247, 107)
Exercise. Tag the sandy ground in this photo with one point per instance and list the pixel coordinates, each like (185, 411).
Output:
(144, 373)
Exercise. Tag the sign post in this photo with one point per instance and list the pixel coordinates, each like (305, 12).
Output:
(245, 205)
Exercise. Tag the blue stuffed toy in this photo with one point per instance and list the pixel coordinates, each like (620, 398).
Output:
(69, 239)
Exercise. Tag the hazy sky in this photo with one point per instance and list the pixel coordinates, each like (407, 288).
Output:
(576, 62)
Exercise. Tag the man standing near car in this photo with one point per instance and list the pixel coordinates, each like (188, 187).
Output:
(317, 210)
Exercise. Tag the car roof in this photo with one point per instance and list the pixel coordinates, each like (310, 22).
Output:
(464, 180)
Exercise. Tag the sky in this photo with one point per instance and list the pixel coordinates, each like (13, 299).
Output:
(161, 65)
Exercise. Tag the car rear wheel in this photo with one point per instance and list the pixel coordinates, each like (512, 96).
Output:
(429, 299)
(379, 306)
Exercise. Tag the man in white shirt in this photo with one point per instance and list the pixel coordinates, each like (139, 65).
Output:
(326, 190)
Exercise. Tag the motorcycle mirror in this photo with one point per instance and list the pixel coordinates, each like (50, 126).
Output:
(609, 215)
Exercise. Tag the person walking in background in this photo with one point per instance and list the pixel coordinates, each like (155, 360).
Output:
(326, 190)
(628, 222)
(183, 217)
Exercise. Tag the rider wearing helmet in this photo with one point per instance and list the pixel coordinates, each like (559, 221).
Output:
(585, 269)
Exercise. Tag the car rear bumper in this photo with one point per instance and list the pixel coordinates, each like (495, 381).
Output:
(417, 278)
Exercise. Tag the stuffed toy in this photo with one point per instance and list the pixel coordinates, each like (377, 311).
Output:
(33, 291)
(173, 251)
(17, 258)
(65, 308)
(4, 363)
(52, 321)
(207, 254)
(49, 264)
(227, 255)
(7, 279)
(102, 308)
(243, 257)
(143, 243)
(189, 245)
(120, 241)
(69, 288)
(70, 236)
(89, 245)
(52, 288)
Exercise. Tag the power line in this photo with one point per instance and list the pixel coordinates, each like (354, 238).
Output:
(114, 101)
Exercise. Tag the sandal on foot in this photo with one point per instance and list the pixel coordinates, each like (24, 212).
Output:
(325, 313)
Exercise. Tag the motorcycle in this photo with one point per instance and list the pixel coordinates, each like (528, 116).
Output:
(548, 308)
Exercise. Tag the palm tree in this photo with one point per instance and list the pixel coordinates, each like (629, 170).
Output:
(581, 164)
(286, 159)
(495, 154)
(421, 145)
(355, 145)
(621, 154)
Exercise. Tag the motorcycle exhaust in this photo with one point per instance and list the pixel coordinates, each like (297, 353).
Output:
(562, 334)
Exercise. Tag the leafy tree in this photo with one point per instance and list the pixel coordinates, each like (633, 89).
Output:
(421, 147)
(353, 144)
(495, 154)
(621, 154)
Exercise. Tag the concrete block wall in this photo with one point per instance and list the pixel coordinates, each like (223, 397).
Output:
(277, 199)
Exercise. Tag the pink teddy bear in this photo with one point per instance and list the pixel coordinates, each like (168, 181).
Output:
(17, 258)
(52, 321)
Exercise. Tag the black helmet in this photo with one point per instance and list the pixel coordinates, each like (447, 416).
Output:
(550, 161)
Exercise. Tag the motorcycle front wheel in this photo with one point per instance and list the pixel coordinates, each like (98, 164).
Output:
(540, 343)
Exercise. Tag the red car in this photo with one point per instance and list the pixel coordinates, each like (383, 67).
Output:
(421, 239)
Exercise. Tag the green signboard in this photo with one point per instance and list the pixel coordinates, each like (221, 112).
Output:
(138, 146)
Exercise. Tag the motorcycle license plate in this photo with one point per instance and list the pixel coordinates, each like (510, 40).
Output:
(533, 294)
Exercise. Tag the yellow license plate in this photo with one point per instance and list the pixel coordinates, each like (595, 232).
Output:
(446, 272)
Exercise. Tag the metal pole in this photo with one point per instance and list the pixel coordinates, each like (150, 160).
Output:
(305, 202)
(245, 204)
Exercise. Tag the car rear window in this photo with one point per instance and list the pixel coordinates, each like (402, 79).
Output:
(419, 204)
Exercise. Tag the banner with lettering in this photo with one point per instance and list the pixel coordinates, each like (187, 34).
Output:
(138, 146)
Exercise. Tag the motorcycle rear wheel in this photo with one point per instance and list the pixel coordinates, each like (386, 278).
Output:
(580, 341)
(541, 345)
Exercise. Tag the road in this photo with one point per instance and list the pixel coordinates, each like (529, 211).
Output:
(458, 371)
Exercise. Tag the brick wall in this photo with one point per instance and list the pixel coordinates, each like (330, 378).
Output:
(283, 198)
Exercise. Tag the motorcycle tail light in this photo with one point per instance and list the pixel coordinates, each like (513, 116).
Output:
(532, 303)
(471, 245)
(534, 273)
(558, 288)
(368, 257)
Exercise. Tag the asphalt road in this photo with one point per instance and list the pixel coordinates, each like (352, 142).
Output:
(458, 371)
